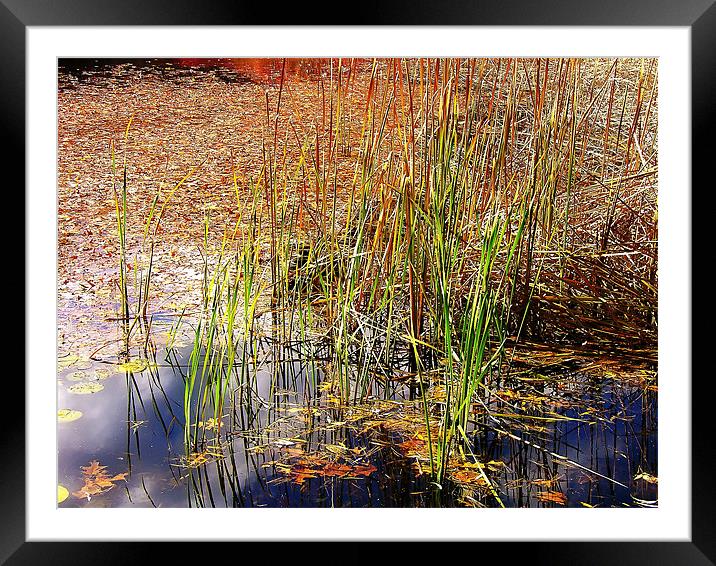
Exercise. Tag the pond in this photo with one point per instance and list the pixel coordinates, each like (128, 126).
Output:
(547, 437)
(267, 296)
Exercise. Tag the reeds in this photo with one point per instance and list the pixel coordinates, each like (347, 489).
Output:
(134, 302)
(423, 222)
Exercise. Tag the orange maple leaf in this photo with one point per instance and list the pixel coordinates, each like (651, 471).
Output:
(96, 480)
(93, 469)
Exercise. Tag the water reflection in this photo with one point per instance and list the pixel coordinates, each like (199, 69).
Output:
(136, 424)
(604, 438)
(565, 437)
(285, 441)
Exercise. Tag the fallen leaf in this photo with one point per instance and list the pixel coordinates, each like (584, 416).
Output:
(495, 465)
(648, 478)
(338, 470)
(411, 447)
(545, 481)
(336, 449)
(301, 473)
(93, 469)
(97, 480)
(364, 470)
(476, 465)
(210, 424)
(467, 476)
(296, 452)
(552, 497)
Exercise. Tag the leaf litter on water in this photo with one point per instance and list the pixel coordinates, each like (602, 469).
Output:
(552, 497)
(301, 471)
(648, 478)
(67, 361)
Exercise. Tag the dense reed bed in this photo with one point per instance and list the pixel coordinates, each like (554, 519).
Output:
(460, 207)
(406, 232)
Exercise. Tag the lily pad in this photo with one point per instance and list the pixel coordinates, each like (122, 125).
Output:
(77, 376)
(68, 415)
(134, 366)
(648, 478)
(62, 493)
(85, 388)
(102, 373)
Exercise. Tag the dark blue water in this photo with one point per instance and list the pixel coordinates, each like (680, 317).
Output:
(592, 460)
(136, 424)
(283, 421)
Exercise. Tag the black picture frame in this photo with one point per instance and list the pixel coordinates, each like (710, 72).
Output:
(698, 15)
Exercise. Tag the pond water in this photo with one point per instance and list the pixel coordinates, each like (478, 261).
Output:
(558, 427)
(286, 440)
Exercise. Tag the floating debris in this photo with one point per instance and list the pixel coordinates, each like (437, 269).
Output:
(96, 481)
(134, 366)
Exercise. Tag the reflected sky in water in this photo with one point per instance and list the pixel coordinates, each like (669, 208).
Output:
(136, 425)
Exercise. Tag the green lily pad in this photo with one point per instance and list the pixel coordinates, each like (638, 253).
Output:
(85, 388)
(62, 493)
(68, 415)
(134, 366)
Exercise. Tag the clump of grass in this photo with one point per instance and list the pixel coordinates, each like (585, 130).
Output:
(428, 225)
(134, 314)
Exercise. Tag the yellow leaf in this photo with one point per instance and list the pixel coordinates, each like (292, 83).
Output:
(62, 493)
(135, 366)
(336, 449)
(648, 478)
(494, 465)
(477, 465)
